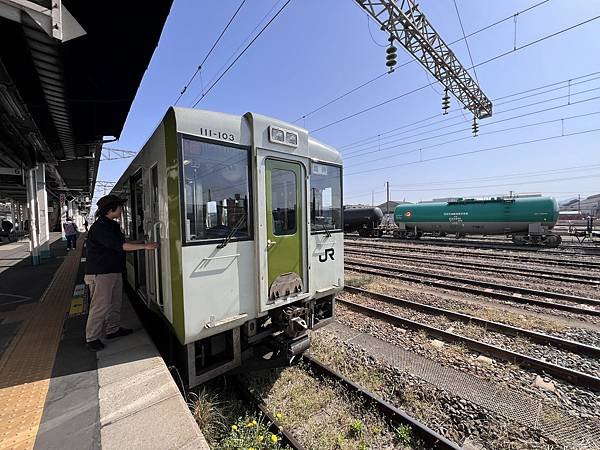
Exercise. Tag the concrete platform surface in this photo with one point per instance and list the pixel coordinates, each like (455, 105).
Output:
(54, 393)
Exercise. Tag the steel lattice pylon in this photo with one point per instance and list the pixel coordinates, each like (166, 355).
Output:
(409, 26)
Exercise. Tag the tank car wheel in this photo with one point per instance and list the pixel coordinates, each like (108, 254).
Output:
(552, 240)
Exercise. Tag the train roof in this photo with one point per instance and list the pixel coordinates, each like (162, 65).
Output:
(195, 121)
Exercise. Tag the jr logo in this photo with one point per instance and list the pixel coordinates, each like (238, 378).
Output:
(329, 252)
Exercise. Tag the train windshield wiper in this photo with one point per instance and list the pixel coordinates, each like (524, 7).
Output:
(327, 230)
(233, 231)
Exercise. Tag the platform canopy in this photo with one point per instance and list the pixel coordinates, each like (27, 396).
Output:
(69, 71)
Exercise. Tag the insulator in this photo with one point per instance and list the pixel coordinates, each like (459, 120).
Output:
(446, 101)
(391, 56)
(391, 63)
(475, 126)
(391, 49)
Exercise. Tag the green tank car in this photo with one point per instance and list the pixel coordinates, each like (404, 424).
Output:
(526, 220)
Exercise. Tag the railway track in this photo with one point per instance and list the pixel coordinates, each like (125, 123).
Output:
(576, 347)
(573, 376)
(505, 246)
(476, 287)
(553, 276)
(396, 416)
(520, 258)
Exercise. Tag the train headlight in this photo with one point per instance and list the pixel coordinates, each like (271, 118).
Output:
(277, 135)
(283, 136)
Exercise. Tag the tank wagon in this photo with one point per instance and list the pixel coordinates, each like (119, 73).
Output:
(248, 214)
(364, 220)
(526, 220)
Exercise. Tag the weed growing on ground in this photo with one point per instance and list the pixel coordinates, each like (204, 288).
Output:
(251, 433)
(358, 280)
(403, 434)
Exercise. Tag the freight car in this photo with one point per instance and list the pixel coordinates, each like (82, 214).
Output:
(526, 220)
(248, 213)
(365, 221)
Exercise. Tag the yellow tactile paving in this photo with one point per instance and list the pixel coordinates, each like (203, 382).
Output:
(26, 366)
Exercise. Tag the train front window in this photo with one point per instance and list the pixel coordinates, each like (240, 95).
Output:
(325, 197)
(283, 199)
(216, 191)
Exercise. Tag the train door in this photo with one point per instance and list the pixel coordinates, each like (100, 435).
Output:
(153, 258)
(285, 228)
(137, 215)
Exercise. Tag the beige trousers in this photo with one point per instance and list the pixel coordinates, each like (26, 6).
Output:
(106, 292)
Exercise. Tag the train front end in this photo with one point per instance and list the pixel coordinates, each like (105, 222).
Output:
(261, 238)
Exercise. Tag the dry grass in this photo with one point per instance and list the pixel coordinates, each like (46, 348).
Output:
(322, 414)
(208, 411)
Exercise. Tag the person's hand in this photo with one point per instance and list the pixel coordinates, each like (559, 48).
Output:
(151, 246)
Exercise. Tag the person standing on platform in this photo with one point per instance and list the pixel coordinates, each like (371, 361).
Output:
(85, 224)
(105, 264)
(70, 233)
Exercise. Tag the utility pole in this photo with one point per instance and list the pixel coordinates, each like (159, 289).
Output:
(579, 201)
(387, 205)
(372, 198)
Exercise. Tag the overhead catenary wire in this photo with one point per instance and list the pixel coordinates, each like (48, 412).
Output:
(379, 149)
(483, 150)
(199, 68)
(466, 40)
(448, 183)
(441, 144)
(494, 58)
(242, 53)
(514, 183)
(411, 61)
(364, 141)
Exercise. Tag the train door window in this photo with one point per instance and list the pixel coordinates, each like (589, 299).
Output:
(325, 198)
(283, 202)
(216, 191)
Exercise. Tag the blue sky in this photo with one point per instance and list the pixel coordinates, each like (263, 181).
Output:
(317, 50)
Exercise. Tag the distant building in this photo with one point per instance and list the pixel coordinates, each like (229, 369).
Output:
(590, 206)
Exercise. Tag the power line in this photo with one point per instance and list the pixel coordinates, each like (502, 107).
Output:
(380, 149)
(517, 183)
(209, 52)
(441, 144)
(472, 67)
(411, 61)
(358, 151)
(471, 152)
(508, 176)
(465, 38)
(243, 51)
(377, 137)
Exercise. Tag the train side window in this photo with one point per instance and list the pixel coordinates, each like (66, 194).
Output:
(325, 198)
(216, 191)
(283, 202)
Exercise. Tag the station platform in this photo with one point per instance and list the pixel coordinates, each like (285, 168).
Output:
(56, 394)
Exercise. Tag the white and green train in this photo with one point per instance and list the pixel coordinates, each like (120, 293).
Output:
(248, 213)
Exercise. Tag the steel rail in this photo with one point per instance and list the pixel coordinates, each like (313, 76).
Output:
(551, 261)
(557, 276)
(432, 439)
(582, 251)
(287, 437)
(487, 284)
(573, 376)
(576, 347)
(478, 291)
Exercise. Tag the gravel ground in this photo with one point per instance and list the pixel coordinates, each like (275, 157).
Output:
(506, 255)
(530, 282)
(545, 271)
(517, 344)
(453, 417)
(571, 399)
(529, 307)
(557, 323)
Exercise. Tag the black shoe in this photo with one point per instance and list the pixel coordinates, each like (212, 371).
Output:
(120, 332)
(95, 345)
